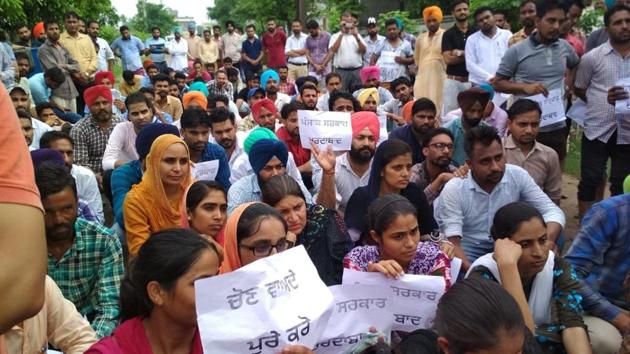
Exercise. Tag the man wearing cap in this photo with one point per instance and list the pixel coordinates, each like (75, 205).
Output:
(91, 133)
(193, 43)
(248, 123)
(178, 48)
(251, 81)
(473, 103)
(268, 158)
(371, 77)
(428, 57)
(269, 81)
(53, 54)
(373, 40)
(352, 169)
(20, 97)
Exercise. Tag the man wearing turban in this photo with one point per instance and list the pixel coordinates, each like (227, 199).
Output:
(269, 81)
(195, 99)
(91, 133)
(268, 158)
(371, 78)
(473, 103)
(428, 57)
(264, 113)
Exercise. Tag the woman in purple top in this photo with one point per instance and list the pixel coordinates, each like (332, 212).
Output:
(394, 228)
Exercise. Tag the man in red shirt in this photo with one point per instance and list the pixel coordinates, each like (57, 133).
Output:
(273, 44)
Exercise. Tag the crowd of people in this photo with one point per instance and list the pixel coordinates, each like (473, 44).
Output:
(190, 165)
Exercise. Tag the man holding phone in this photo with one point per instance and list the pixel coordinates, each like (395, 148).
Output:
(348, 48)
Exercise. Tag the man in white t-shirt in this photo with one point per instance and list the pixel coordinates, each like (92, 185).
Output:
(348, 48)
(485, 48)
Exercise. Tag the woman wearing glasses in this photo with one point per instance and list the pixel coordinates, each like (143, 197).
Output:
(432, 174)
(319, 229)
(393, 227)
(253, 231)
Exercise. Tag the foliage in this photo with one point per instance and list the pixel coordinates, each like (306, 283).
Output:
(590, 20)
(22, 11)
(409, 24)
(257, 12)
(109, 33)
(415, 7)
(149, 15)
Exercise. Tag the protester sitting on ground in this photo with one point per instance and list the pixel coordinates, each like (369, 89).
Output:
(268, 158)
(129, 174)
(157, 299)
(492, 114)
(352, 169)
(195, 99)
(107, 78)
(58, 323)
(599, 253)
(206, 208)
(341, 101)
(47, 114)
(27, 126)
(333, 84)
(84, 258)
(87, 184)
(432, 174)
(423, 118)
(369, 99)
(465, 205)
(321, 230)
(158, 114)
(20, 98)
(371, 78)
(253, 231)
(474, 316)
(265, 113)
(390, 173)
(121, 144)
(289, 133)
(395, 231)
(545, 286)
(157, 202)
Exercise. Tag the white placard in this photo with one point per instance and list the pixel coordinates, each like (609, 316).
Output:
(388, 65)
(456, 267)
(355, 310)
(415, 296)
(577, 112)
(264, 306)
(205, 171)
(382, 133)
(324, 128)
(552, 107)
(623, 106)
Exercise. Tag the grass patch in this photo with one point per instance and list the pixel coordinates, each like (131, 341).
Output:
(572, 161)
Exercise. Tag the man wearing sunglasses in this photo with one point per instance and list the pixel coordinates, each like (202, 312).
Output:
(436, 169)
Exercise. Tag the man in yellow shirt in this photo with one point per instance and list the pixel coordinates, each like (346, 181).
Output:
(82, 49)
(130, 83)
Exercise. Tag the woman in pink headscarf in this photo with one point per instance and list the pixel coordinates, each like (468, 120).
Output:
(428, 56)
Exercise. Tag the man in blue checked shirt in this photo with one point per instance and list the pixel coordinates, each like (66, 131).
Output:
(600, 255)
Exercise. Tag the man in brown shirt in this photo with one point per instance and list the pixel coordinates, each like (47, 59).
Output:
(163, 101)
(522, 149)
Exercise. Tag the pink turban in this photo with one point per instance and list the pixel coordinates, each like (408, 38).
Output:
(98, 78)
(370, 72)
(265, 102)
(91, 94)
(365, 119)
(432, 10)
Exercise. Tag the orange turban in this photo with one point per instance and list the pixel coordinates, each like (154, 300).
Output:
(38, 30)
(195, 96)
(98, 78)
(90, 95)
(147, 62)
(265, 102)
(365, 119)
(432, 10)
(407, 111)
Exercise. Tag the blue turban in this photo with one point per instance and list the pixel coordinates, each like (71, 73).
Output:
(488, 88)
(47, 155)
(269, 73)
(199, 86)
(149, 133)
(264, 150)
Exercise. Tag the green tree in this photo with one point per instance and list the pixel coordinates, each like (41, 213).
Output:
(32, 11)
(150, 15)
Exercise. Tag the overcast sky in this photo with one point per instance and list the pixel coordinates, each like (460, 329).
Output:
(196, 9)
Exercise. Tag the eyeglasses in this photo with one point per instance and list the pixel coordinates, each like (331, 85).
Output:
(264, 249)
(441, 146)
